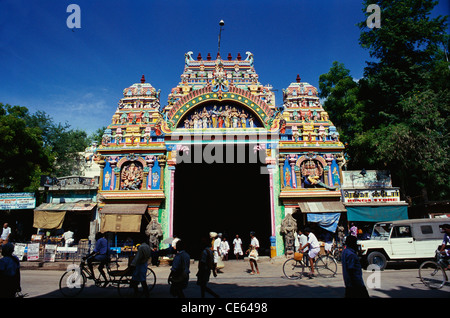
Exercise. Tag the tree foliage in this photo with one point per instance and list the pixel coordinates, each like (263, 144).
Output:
(341, 93)
(32, 145)
(23, 156)
(64, 143)
(402, 102)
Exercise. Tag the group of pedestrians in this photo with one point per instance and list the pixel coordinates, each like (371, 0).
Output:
(214, 250)
(222, 248)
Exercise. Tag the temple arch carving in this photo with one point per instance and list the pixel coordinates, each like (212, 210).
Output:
(235, 95)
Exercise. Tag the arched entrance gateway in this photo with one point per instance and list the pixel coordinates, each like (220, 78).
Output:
(219, 156)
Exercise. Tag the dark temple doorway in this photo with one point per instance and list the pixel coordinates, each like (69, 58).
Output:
(227, 198)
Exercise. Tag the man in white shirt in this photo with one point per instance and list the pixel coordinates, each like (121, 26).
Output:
(216, 250)
(253, 256)
(4, 238)
(224, 249)
(314, 248)
(302, 239)
(237, 243)
(68, 238)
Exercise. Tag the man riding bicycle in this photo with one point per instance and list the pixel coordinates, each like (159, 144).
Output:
(444, 249)
(100, 254)
(314, 248)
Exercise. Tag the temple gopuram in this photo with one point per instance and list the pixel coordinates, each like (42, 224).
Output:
(218, 156)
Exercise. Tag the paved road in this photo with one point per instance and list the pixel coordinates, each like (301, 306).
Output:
(398, 281)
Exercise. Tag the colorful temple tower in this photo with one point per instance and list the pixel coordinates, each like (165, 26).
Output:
(218, 102)
(132, 161)
(310, 158)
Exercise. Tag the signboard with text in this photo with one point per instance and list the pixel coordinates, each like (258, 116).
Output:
(49, 252)
(371, 196)
(33, 251)
(19, 250)
(17, 201)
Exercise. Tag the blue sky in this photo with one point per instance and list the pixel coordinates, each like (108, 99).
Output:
(78, 76)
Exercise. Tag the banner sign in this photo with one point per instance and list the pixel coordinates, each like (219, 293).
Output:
(19, 250)
(371, 196)
(16, 201)
(33, 251)
(49, 252)
(369, 179)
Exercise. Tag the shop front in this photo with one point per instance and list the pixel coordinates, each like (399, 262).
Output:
(16, 210)
(121, 222)
(369, 197)
(52, 220)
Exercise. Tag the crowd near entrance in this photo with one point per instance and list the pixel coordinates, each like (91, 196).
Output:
(228, 198)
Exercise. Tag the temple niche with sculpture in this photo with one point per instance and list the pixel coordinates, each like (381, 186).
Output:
(131, 177)
(310, 172)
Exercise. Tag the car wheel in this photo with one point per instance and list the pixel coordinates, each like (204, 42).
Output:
(377, 258)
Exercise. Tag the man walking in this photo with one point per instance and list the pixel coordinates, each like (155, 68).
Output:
(351, 270)
(237, 243)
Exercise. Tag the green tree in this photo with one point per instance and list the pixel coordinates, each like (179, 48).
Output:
(64, 143)
(405, 49)
(97, 135)
(23, 156)
(405, 97)
(340, 92)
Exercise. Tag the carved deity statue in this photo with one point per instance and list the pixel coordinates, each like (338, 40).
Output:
(312, 173)
(219, 82)
(131, 177)
(154, 231)
(289, 229)
(311, 169)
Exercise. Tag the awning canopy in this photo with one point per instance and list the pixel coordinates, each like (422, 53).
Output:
(51, 215)
(122, 217)
(322, 207)
(325, 213)
(327, 221)
(48, 219)
(377, 213)
(70, 206)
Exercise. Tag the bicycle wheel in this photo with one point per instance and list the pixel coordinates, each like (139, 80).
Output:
(151, 278)
(72, 282)
(125, 285)
(326, 266)
(293, 269)
(432, 275)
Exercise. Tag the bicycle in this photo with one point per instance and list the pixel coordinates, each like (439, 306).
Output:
(432, 273)
(294, 268)
(126, 289)
(73, 281)
(336, 252)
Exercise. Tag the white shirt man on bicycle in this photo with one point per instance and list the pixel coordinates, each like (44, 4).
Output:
(314, 248)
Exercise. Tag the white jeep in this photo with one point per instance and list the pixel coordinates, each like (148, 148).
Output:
(415, 239)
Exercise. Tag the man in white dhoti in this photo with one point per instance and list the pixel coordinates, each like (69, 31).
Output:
(314, 248)
(237, 244)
